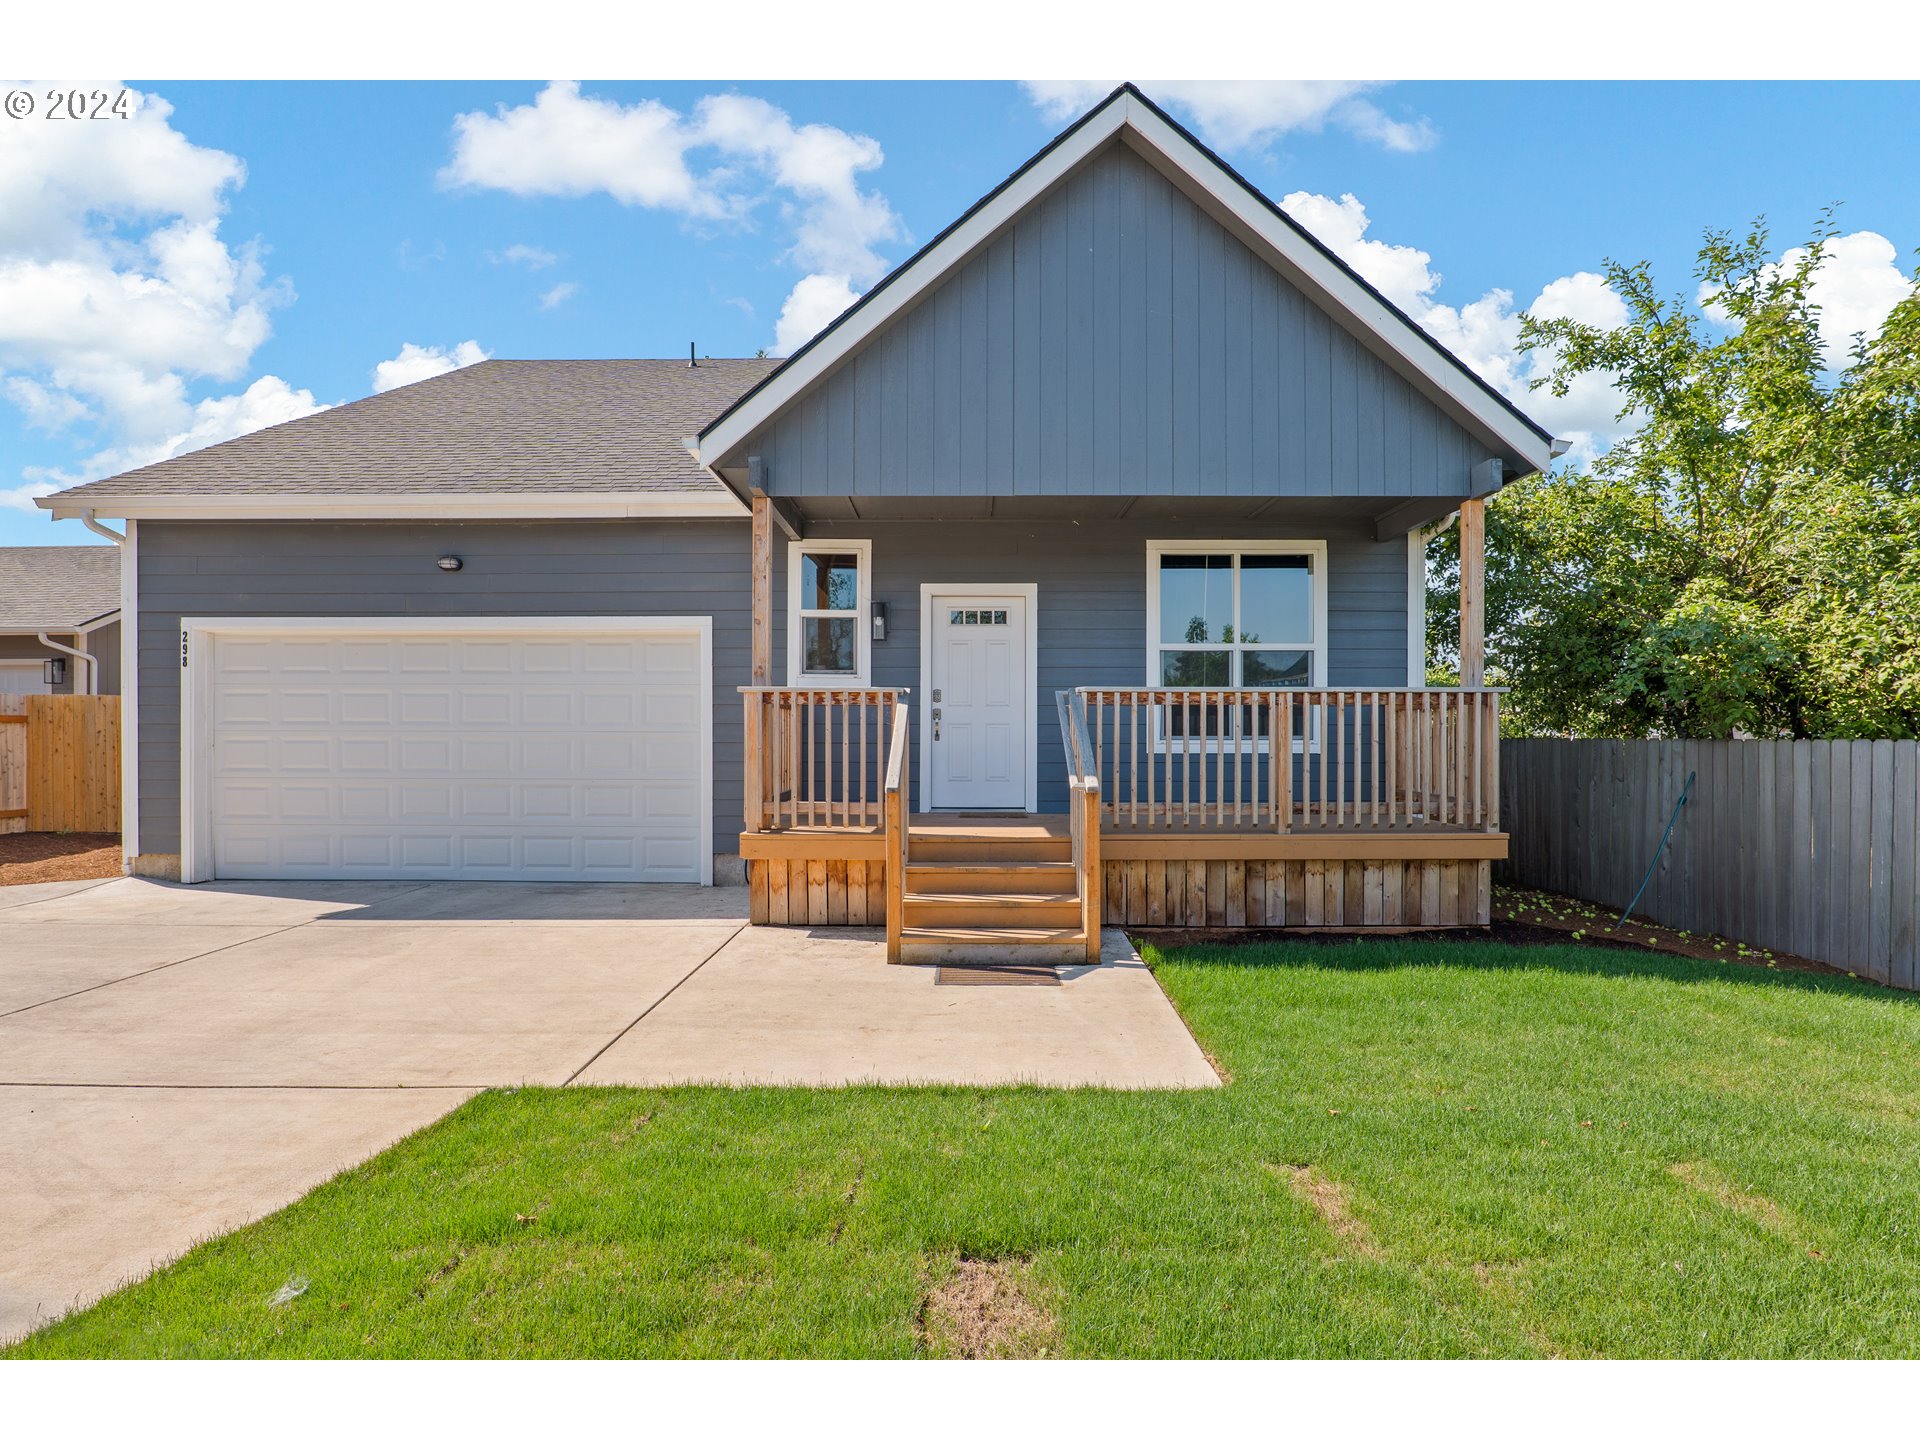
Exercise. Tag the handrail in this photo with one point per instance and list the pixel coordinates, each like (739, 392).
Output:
(814, 755)
(1083, 814)
(1279, 758)
(895, 828)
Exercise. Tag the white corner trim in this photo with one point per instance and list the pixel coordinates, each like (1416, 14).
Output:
(861, 612)
(129, 618)
(1028, 591)
(1416, 608)
(720, 506)
(196, 738)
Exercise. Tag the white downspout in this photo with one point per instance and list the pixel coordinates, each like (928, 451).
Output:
(92, 661)
(86, 519)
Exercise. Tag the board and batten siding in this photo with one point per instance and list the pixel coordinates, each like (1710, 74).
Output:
(1115, 340)
(1092, 581)
(602, 567)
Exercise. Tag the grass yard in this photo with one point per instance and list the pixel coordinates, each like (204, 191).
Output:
(1427, 1149)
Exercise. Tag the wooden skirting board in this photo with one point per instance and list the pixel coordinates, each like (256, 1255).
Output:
(817, 892)
(1176, 894)
(1274, 894)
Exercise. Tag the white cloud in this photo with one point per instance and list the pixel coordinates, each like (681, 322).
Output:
(733, 160)
(423, 362)
(267, 401)
(533, 257)
(117, 290)
(1250, 114)
(1485, 333)
(559, 295)
(45, 409)
(1856, 287)
(810, 308)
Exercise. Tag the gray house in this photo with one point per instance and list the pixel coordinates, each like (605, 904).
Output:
(59, 620)
(1072, 575)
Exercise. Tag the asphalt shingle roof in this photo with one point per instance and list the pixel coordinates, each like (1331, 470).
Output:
(57, 587)
(502, 427)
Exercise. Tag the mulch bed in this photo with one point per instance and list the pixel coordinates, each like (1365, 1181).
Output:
(34, 858)
(1541, 914)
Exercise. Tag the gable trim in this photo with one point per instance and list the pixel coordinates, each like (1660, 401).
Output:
(1279, 240)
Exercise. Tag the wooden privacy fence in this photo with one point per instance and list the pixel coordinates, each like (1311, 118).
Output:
(59, 762)
(1807, 846)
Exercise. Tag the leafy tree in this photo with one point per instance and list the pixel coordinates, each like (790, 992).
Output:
(1747, 560)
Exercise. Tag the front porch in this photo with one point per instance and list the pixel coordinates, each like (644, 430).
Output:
(1382, 814)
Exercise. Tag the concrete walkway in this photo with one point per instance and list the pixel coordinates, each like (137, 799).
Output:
(178, 1061)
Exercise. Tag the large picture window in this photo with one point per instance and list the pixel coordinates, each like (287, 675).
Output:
(827, 585)
(1231, 615)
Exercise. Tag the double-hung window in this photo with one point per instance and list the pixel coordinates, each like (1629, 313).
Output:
(827, 582)
(1233, 615)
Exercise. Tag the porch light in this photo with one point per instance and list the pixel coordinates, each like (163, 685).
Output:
(449, 562)
(879, 609)
(55, 672)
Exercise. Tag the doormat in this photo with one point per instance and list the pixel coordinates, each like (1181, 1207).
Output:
(996, 975)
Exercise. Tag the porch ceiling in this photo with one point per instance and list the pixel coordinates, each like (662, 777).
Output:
(1388, 515)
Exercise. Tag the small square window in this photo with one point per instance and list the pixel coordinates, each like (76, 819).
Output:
(999, 617)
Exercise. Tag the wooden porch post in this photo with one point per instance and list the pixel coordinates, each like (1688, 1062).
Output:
(1473, 604)
(762, 589)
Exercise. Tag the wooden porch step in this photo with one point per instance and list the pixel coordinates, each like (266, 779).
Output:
(978, 945)
(995, 910)
(1051, 877)
(1016, 849)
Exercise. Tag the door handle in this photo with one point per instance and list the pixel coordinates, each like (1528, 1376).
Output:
(936, 722)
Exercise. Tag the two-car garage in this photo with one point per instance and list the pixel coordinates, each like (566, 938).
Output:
(458, 749)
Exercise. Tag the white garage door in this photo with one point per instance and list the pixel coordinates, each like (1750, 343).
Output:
(469, 756)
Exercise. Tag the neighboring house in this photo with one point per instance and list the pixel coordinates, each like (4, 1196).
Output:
(60, 620)
(1123, 425)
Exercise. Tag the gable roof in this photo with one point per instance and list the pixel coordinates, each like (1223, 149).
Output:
(58, 587)
(1128, 117)
(504, 432)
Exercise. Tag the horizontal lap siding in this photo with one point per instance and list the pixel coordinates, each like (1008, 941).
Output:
(1115, 340)
(539, 569)
(1092, 581)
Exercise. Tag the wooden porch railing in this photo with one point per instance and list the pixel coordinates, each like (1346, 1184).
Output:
(816, 757)
(893, 785)
(1374, 759)
(1083, 814)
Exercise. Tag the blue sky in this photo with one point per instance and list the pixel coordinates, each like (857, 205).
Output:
(261, 249)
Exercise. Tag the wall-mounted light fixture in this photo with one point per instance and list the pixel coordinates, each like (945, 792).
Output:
(449, 562)
(879, 609)
(55, 672)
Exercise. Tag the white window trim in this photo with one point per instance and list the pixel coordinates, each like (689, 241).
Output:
(196, 718)
(1316, 553)
(862, 550)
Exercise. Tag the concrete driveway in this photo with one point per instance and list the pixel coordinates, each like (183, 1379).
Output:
(177, 1061)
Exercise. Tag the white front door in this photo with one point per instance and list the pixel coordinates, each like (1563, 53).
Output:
(980, 712)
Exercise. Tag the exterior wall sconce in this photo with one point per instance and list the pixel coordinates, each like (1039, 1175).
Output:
(54, 672)
(879, 609)
(449, 562)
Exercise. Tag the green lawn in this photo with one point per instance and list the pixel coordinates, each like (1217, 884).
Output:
(1426, 1149)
